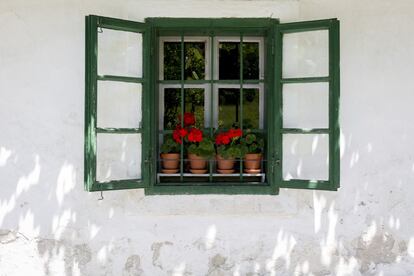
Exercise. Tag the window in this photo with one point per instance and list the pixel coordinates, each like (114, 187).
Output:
(279, 82)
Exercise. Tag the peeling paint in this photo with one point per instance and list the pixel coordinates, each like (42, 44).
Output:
(7, 236)
(378, 250)
(133, 266)
(156, 249)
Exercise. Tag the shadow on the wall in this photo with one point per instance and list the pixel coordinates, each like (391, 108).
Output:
(67, 231)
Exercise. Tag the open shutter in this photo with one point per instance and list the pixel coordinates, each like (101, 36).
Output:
(307, 96)
(116, 104)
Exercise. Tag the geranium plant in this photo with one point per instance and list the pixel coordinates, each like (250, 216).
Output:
(192, 137)
(229, 144)
(170, 145)
(252, 143)
(199, 145)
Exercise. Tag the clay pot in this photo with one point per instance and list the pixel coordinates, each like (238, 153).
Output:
(197, 162)
(252, 161)
(170, 161)
(225, 164)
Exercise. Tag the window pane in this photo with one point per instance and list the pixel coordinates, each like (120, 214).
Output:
(172, 60)
(194, 103)
(119, 104)
(194, 65)
(229, 108)
(194, 61)
(229, 61)
(119, 53)
(306, 54)
(118, 157)
(250, 60)
(305, 156)
(306, 105)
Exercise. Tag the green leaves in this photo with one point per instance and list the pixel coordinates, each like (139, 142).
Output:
(169, 145)
(205, 148)
(252, 143)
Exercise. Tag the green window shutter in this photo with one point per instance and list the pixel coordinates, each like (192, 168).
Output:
(117, 104)
(307, 99)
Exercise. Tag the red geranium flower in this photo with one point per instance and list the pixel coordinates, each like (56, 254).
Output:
(178, 134)
(222, 139)
(233, 133)
(195, 135)
(189, 119)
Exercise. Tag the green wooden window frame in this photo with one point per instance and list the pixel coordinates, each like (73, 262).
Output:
(273, 33)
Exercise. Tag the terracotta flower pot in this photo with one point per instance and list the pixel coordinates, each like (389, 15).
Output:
(170, 161)
(252, 161)
(197, 162)
(225, 164)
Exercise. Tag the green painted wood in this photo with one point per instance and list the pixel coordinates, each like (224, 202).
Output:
(211, 23)
(306, 26)
(119, 130)
(334, 100)
(117, 185)
(120, 78)
(151, 100)
(305, 80)
(241, 95)
(306, 131)
(211, 189)
(332, 26)
(91, 79)
(277, 158)
(195, 82)
(211, 163)
(182, 107)
(90, 101)
(121, 24)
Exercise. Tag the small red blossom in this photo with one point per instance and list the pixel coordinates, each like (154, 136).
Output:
(234, 133)
(189, 119)
(222, 139)
(195, 135)
(178, 134)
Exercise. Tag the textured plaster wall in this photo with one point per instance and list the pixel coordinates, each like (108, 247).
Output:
(50, 226)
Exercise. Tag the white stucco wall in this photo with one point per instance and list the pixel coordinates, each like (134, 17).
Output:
(51, 226)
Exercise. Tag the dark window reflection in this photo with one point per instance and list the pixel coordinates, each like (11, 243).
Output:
(251, 60)
(172, 63)
(229, 61)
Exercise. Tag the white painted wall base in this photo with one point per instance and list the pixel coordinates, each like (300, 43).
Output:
(51, 226)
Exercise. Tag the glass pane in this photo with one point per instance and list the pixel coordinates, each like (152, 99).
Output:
(305, 156)
(229, 108)
(229, 61)
(306, 54)
(118, 157)
(306, 105)
(119, 104)
(194, 103)
(194, 65)
(119, 53)
(194, 61)
(250, 60)
(172, 60)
